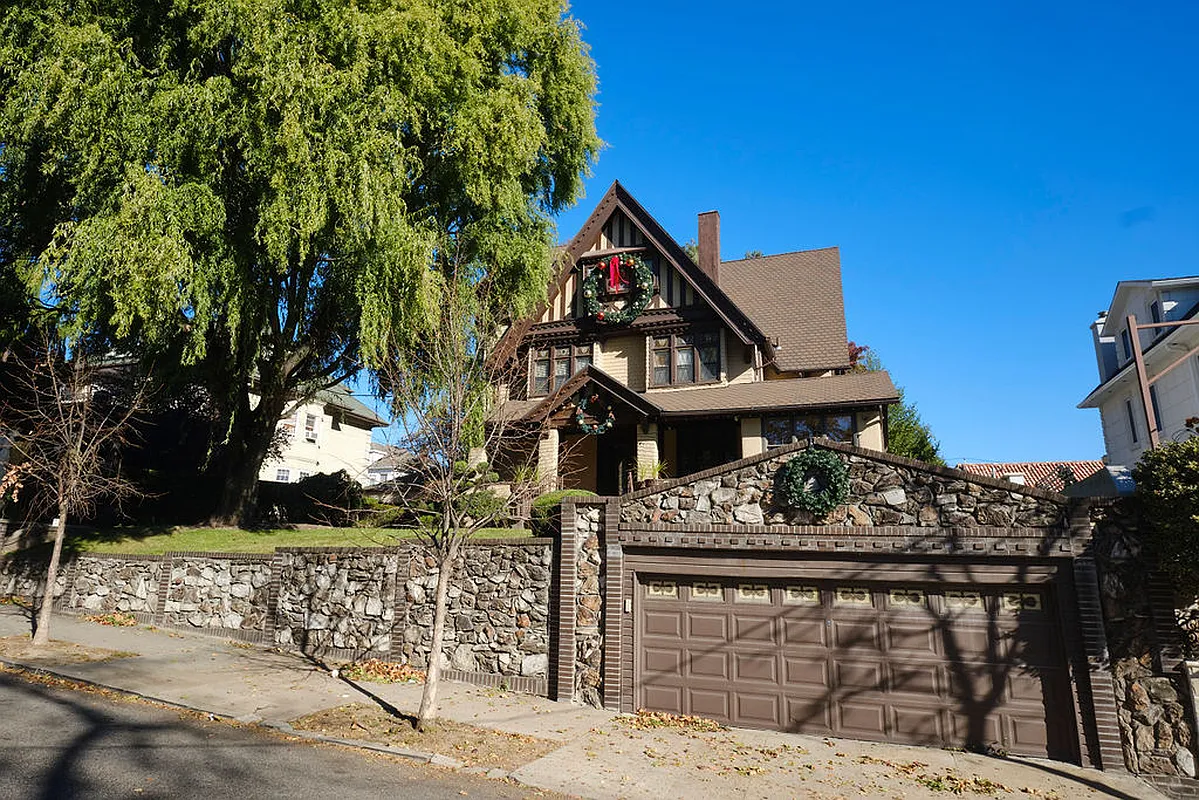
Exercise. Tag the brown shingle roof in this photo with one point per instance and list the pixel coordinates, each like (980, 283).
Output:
(796, 299)
(859, 388)
(1042, 474)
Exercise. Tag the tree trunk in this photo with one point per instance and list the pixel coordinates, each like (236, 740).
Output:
(41, 633)
(239, 468)
(428, 700)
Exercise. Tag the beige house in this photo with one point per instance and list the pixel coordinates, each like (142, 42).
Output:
(643, 363)
(331, 432)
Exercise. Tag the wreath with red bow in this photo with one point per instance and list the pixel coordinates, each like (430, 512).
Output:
(621, 271)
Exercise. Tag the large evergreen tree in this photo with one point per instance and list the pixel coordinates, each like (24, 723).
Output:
(260, 190)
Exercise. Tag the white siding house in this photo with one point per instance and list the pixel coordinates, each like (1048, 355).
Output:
(1171, 357)
(329, 433)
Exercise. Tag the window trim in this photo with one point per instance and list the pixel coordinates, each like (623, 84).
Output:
(673, 347)
(585, 351)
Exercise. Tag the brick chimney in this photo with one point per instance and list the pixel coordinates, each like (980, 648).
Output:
(709, 244)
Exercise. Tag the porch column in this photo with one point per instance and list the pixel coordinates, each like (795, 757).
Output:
(751, 436)
(547, 460)
(647, 450)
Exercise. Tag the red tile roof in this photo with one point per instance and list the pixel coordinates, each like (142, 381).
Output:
(1042, 474)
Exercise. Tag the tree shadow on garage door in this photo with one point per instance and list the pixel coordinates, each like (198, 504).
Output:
(1002, 681)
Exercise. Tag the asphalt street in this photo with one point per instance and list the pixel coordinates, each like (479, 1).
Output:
(65, 744)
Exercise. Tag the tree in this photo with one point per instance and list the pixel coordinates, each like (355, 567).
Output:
(1168, 492)
(67, 417)
(255, 189)
(442, 394)
(907, 434)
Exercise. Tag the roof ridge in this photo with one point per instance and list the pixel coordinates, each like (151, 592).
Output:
(779, 255)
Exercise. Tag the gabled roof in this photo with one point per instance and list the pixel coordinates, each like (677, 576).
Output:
(1042, 474)
(590, 374)
(617, 197)
(1124, 289)
(796, 300)
(340, 398)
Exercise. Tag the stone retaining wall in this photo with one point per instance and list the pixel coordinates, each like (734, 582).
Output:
(337, 603)
(881, 492)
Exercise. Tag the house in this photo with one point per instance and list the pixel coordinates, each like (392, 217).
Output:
(642, 363)
(1148, 368)
(387, 462)
(1051, 475)
(330, 432)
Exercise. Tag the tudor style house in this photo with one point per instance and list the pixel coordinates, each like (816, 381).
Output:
(1150, 403)
(644, 364)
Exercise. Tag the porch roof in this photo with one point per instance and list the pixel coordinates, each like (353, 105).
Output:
(859, 388)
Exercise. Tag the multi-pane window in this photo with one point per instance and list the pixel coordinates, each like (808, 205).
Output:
(283, 475)
(783, 430)
(310, 423)
(686, 358)
(552, 366)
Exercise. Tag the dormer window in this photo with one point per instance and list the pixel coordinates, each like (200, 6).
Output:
(552, 366)
(682, 359)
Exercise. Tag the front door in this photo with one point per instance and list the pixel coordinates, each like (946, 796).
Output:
(615, 459)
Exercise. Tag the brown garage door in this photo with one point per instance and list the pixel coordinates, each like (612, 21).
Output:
(967, 667)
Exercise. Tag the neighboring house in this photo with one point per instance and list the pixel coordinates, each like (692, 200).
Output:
(1171, 366)
(723, 361)
(331, 432)
(387, 462)
(1041, 474)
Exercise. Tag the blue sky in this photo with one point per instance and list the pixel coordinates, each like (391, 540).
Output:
(989, 172)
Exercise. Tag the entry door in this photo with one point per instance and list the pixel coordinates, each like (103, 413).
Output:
(615, 459)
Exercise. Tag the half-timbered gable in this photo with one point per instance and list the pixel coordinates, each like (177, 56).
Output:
(727, 359)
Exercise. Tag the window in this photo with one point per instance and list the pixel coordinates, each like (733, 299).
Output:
(1155, 313)
(1127, 343)
(1132, 420)
(686, 358)
(310, 424)
(304, 474)
(283, 475)
(552, 366)
(782, 429)
(1157, 412)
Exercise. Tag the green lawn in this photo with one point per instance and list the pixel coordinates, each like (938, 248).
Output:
(148, 541)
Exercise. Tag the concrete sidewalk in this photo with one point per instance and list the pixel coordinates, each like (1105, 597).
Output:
(599, 758)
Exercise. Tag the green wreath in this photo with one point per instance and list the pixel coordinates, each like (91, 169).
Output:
(815, 481)
(642, 284)
(583, 408)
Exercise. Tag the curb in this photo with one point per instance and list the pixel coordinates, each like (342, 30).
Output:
(435, 759)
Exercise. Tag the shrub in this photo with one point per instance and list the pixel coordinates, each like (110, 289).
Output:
(322, 499)
(1168, 490)
(541, 516)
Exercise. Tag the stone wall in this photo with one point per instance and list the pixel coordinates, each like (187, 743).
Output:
(216, 592)
(498, 611)
(883, 490)
(337, 603)
(103, 585)
(589, 601)
(1155, 723)
(338, 598)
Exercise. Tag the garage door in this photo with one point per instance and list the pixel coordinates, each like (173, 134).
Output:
(967, 667)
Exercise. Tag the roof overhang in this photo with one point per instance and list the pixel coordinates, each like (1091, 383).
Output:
(1159, 356)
